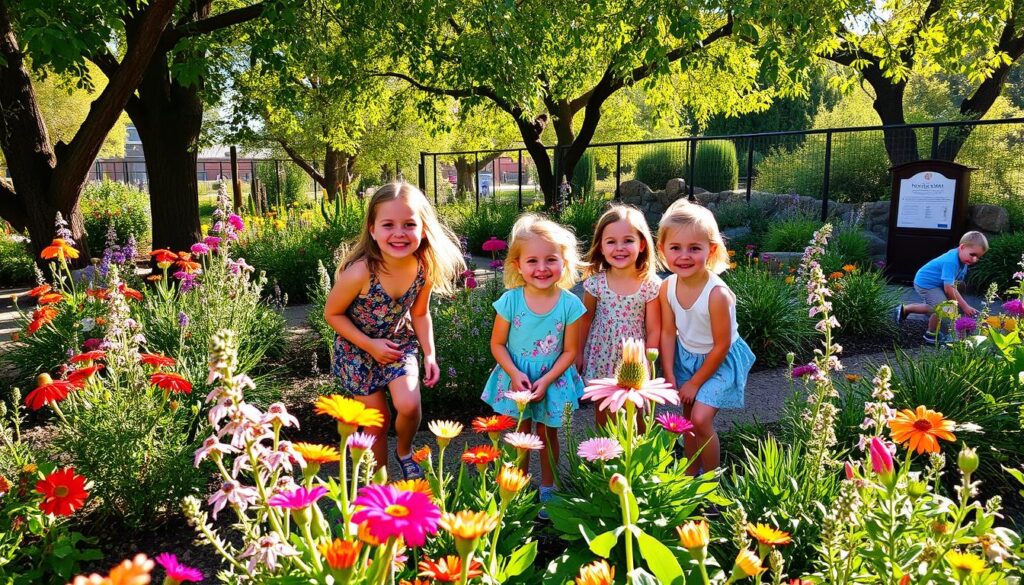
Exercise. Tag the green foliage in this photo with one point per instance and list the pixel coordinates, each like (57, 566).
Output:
(790, 235)
(771, 314)
(584, 176)
(581, 216)
(478, 226)
(111, 205)
(15, 262)
(999, 263)
(317, 294)
(862, 302)
(285, 182)
(658, 164)
(715, 167)
(847, 246)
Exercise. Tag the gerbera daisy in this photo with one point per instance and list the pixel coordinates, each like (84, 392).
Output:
(171, 382)
(495, 423)
(520, 397)
(694, 535)
(747, 565)
(298, 499)
(81, 376)
(176, 572)
(390, 512)
(86, 357)
(129, 292)
(421, 486)
(59, 249)
(599, 449)
(511, 480)
(134, 571)
(63, 492)
(50, 299)
(422, 454)
(164, 258)
(39, 290)
(448, 569)
(674, 423)
(445, 430)
(467, 525)
(157, 360)
(768, 536)
(480, 455)
(340, 554)
(596, 573)
(524, 441)
(47, 391)
(921, 428)
(350, 414)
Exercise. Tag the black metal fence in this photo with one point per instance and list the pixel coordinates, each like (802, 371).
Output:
(842, 165)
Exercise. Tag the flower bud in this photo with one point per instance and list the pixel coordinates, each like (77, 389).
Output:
(790, 358)
(380, 477)
(652, 354)
(881, 462)
(968, 460)
(916, 489)
(618, 484)
(849, 470)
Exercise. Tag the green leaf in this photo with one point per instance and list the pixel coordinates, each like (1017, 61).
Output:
(642, 577)
(603, 544)
(521, 559)
(660, 560)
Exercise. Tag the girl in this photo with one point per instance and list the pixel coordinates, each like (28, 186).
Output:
(621, 293)
(379, 309)
(701, 350)
(536, 335)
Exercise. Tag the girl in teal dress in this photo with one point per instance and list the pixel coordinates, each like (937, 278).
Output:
(536, 338)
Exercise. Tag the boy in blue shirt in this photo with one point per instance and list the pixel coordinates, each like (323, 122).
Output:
(936, 282)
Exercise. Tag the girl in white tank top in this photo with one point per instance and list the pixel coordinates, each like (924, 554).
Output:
(702, 353)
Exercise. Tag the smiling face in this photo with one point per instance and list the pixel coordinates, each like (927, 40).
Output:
(686, 250)
(540, 263)
(621, 245)
(397, 229)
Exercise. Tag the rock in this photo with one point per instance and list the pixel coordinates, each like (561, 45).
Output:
(654, 197)
(675, 188)
(667, 197)
(735, 233)
(876, 244)
(634, 192)
(705, 198)
(991, 219)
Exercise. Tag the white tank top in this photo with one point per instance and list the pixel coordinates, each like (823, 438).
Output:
(693, 325)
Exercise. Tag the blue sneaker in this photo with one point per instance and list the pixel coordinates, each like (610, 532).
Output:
(946, 339)
(547, 492)
(929, 337)
(410, 469)
(898, 315)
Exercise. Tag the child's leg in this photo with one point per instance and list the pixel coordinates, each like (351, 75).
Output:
(380, 444)
(405, 393)
(691, 444)
(549, 456)
(703, 418)
(933, 323)
(917, 309)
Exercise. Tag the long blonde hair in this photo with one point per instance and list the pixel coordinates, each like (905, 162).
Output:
(531, 226)
(646, 261)
(682, 213)
(439, 252)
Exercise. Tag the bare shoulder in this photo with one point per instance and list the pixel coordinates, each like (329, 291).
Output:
(357, 273)
(721, 295)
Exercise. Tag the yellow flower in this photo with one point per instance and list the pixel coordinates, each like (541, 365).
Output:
(849, 268)
(747, 565)
(414, 485)
(994, 322)
(596, 573)
(469, 525)
(313, 453)
(1010, 324)
(366, 536)
(732, 265)
(964, 564)
(350, 414)
(340, 554)
(444, 430)
(732, 253)
(278, 224)
(790, 279)
(768, 536)
(922, 429)
(694, 535)
(511, 480)
(853, 378)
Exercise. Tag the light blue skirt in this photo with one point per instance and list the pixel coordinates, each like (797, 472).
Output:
(726, 387)
(567, 389)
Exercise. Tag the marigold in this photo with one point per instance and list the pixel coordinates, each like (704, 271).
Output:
(59, 249)
(313, 453)
(480, 455)
(340, 554)
(596, 573)
(448, 569)
(350, 414)
(63, 492)
(921, 428)
(767, 535)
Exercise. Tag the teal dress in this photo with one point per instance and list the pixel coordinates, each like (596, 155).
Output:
(535, 342)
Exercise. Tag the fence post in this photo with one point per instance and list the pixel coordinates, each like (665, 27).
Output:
(827, 178)
(935, 142)
(277, 175)
(693, 163)
(750, 165)
(127, 181)
(519, 178)
(476, 174)
(423, 171)
(435, 180)
(618, 169)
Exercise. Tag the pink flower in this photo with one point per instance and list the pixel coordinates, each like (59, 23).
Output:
(494, 245)
(236, 222)
(200, 248)
(471, 283)
(1014, 307)
(804, 370)
(524, 441)
(212, 242)
(389, 512)
(177, 572)
(881, 458)
(298, 499)
(359, 443)
(848, 467)
(234, 493)
(613, 396)
(599, 448)
(212, 448)
(674, 423)
(266, 550)
(277, 414)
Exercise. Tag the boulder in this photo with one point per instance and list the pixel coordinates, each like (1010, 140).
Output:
(876, 244)
(991, 219)
(735, 233)
(675, 188)
(634, 192)
(668, 197)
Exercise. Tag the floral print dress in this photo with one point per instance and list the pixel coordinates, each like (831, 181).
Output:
(535, 342)
(616, 317)
(380, 317)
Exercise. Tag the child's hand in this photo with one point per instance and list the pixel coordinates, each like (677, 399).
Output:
(688, 392)
(540, 390)
(969, 310)
(520, 381)
(431, 373)
(384, 351)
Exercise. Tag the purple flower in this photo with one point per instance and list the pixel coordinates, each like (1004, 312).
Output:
(965, 325)
(497, 264)
(117, 257)
(183, 319)
(471, 283)
(236, 222)
(239, 266)
(298, 499)
(1014, 307)
(200, 248)
(805, 370)
(177, 572)
(212, 242)
(188, 281)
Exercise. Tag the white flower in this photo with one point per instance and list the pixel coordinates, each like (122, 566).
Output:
(266, 550)
(88, 324)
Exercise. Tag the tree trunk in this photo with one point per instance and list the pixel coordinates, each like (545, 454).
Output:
(900, 143)
(465, 173)
(332, 174)
(531, 131)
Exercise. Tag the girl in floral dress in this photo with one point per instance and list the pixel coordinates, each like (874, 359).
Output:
(379, 307)
(621, 293)
(536, 335)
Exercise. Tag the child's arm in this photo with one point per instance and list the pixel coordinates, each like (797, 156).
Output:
(721, 332)
(668, 335)
(423, 325)
(346, 288)
(652, 322)
(499, 339)
(571, 345)
(953, 294)
(590, 302)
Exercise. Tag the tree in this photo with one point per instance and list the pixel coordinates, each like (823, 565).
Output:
(47, 180)
(978, 38)
(545, 63)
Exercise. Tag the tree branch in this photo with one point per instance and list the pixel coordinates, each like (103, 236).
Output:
(211, 24)
(455, 93)
(299, 160)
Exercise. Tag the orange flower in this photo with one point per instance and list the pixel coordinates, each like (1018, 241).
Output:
(849, 268)
(47, 392)
(747, 565)
(922, 428)
(80, 376)
(59, 249)
(50, 298)
(415, 582)
(414, 485)
(421, 454)
(366, 536)
(39, 290)
(88, 357)
(469, 525)
(835, 275)
(853, 378)
(448, 569)
(133, 572)
(596, 573)
(480, 455)
(163, 256)
(188, 266)
(313, 453)
(511, 480)
(495, 423)
(768, 536)
(129, 292)
(156, 360)
(340, 554)
(97, 293)
(5, 486)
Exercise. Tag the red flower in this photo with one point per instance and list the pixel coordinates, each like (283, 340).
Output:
(89, 356)
(40, 317)
(493, 424)
(47, 392)
(163, 256)
(97, 293)
(129, 292)
(171, 382)
(480, 455)
(157, 360)
(80, 376)
(39, 290)
(63, 492)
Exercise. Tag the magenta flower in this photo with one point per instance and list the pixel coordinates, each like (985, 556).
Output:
(1014, 307)
(881, 458)
(848, 468)
(389, 513)
(497, 264)
(674, 423)
(298, 499)
(494, 245)
(965, 325)
(599, 448)
(805, 370)
(212, 242)
(177, 572)
(471, 283)
(236, 222)
(200, 248)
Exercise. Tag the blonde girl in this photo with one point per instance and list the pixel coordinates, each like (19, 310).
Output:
(620, 293)
(536, 335)
(702, 352)
(379, 307)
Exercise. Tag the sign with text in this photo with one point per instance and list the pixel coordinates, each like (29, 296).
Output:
(926, 201)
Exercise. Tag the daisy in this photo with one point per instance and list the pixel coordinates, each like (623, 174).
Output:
(921, 429)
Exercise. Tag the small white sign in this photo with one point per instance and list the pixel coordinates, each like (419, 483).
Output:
(926, 201)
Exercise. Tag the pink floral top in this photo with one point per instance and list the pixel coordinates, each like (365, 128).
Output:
(616, 317)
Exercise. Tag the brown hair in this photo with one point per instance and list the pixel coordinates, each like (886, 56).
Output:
(439, 252)
(646, 261)
(531, 226)
(682, 213)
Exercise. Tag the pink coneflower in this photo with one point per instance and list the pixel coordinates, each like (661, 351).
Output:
(524, 441)
(613, 397)
(298, 499)
(234, 493)
(389, 512)
(599, 448)
(277, 414)
(804, 370)
(176, 572)
(361, 441)
(674, 423)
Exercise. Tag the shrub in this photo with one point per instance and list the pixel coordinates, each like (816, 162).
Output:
(581, 217)
(660, 163)
(999, 263)
(715, 167)
(284, 182)
(478, 226)
(862, 302)
(110, 205)
(584, 177)
(848, 246)
(15, 261)
(790, 235)
(771, 314)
